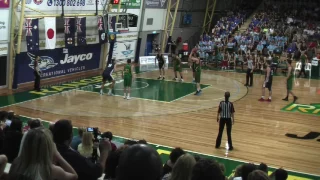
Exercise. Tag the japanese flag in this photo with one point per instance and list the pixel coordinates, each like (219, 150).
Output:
(50, 30)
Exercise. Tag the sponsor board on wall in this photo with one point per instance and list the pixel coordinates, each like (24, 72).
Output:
(127, 36)
(4, 4)
(75, 5)
(145, 60)
(160, 4)
(124, 50)
(58, 62)
(4, 25)
(4, 49)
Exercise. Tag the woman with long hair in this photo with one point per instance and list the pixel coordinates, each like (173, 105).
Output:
(182, 169)
(36, 159)
(87, 146)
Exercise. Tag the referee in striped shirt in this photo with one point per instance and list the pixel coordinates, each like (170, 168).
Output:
(225, 116)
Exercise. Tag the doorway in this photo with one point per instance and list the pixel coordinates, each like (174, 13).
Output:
(152, 43)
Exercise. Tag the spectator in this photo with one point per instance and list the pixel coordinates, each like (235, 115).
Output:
(182, 169)
(12, 139)
(112, 163)
(33, 123)
(237, 173)
(109, 135)
(130, 142)
(3, 163)
(246, 170)
(279, 174)
(86, 147)
(27, 127)
(76, 140)
(207, 169)
(142, 141)
(174, 155)
(35, 161)
(222, 167)
(86, 170)
(51, 125)
(258, 175)
(263, 167)
(139, 162)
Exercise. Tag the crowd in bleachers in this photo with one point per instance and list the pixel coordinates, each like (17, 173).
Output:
(276, 32)
(39, 153)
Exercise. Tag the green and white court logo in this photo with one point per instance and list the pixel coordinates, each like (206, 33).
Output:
(312, 109)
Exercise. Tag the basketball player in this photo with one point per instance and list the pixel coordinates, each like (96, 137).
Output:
(197, 68)
(107, 76)
(161, 62)
(177, 67)
(289, 82)
(267, 82)
(127, 77)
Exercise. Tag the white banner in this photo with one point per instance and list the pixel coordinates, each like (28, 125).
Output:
(124, 50)
(127, 36)
(55, 6)
(315, 62)
(143, 60)
(4, 25)
(4, 49)
(50, 30)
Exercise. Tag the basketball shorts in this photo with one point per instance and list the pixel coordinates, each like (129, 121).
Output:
(107, 77)
(290, 84)
(268, 85)
(127, 81)
(161, 65)
(177, 69)
(197, 77)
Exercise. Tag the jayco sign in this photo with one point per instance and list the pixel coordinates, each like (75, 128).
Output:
(58, 62)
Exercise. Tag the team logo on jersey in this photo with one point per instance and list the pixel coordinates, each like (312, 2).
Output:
(45, 62)
(38, 2)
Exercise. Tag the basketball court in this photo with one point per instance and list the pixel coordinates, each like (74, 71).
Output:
(167, 113)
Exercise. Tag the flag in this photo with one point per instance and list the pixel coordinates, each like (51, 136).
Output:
(32, 34)
(81, 31)
(69, 32)
(101, 30)
(50, 30)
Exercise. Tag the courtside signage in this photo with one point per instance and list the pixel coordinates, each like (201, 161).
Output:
(143, 60)
(58, 62)
(4, 25)
(312, 109)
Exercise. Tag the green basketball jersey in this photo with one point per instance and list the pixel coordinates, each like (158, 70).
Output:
(197, 67)
(127, 70)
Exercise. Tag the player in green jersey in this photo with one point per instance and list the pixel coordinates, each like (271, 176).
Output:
(289, 82)
(177, 67)
(127, 76)
(197, 68)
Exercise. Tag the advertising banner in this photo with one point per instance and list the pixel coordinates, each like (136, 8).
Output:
(124, 50)
(58, 62)
(4, 49)
(55, 6)
(4, 4)
(144, 60)
(127, 36)
(4, 25)
(159, 4)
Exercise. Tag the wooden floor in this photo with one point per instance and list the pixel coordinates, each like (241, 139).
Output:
(190, 122)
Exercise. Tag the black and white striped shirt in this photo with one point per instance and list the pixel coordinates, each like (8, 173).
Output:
(226, 109)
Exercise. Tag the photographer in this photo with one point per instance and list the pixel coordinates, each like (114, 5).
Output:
(85, 168)
(37, 74)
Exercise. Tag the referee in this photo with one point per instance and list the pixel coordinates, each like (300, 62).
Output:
(226, 113)
(249, 74)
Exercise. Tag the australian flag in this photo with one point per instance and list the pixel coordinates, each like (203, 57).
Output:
(81, 31)
(32, 34)
(69, 32)
(102, 32)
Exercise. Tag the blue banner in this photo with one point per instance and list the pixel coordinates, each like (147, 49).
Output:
(58, 62)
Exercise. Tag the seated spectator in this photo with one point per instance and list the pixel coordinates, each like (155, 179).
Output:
(76, 140)
(173, 157)
(263, 167)
(27, 127)
(237, 173)
(279, 174)
(112, 163)
(142, 141)
(139, 162)
(33, 123)
(207, 169)
(85, 168)
(246, 170)
(3, 163)
(182, 169)
(35, 162)
(258, 175)
(109, 136)
(86, 147)
(12, 139)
